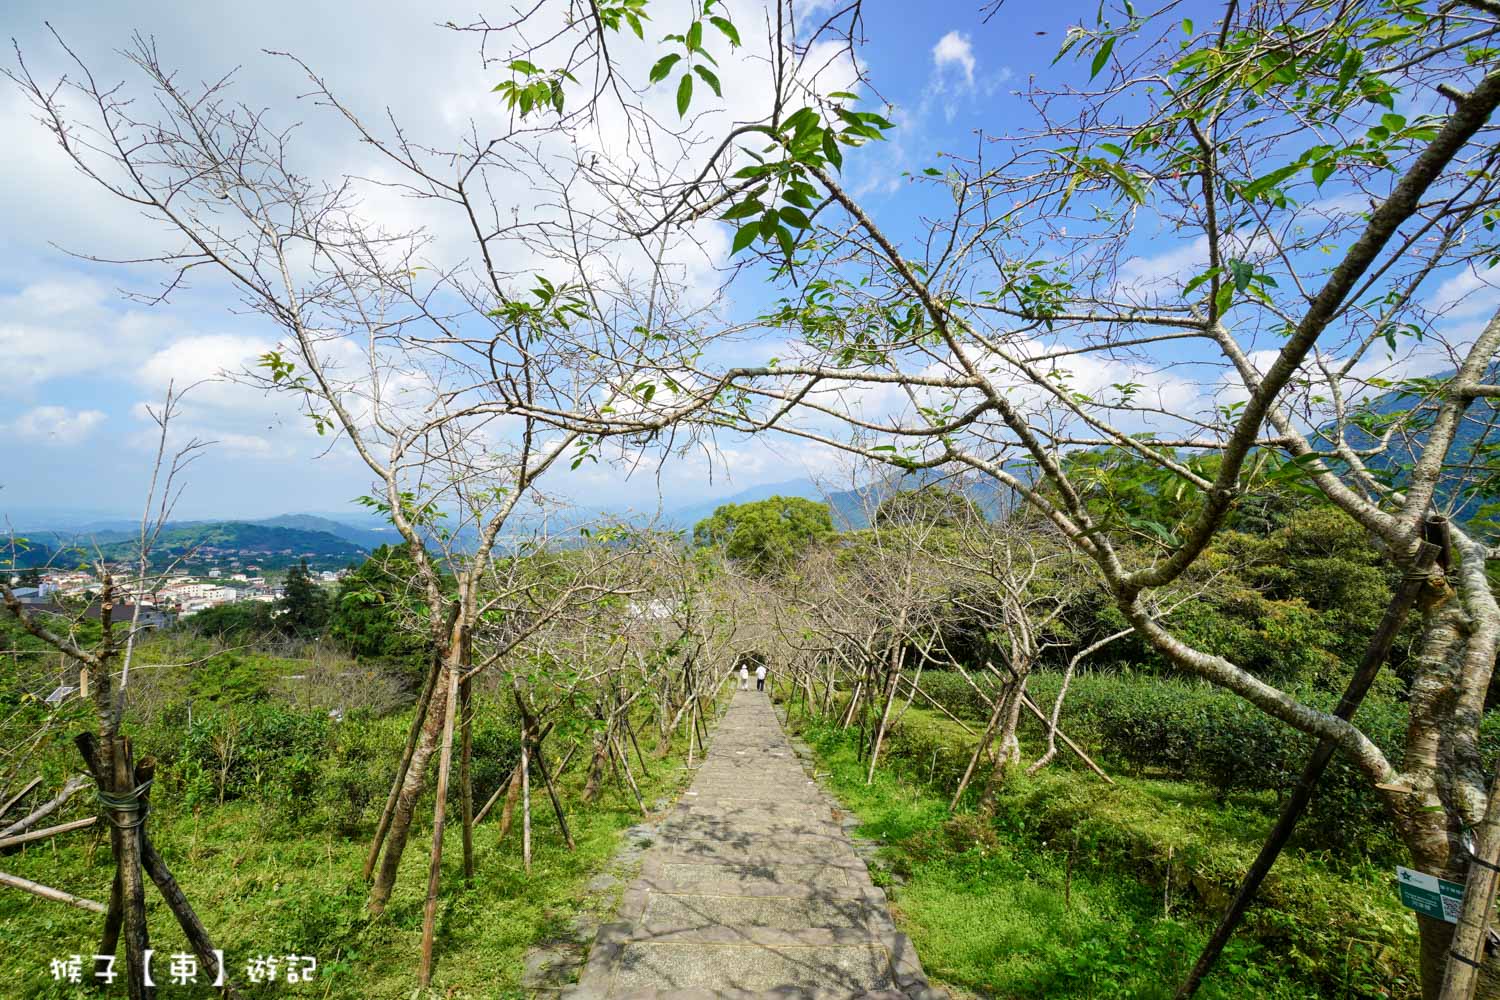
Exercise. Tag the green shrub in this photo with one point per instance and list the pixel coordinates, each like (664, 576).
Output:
(257, 750)
(1187, 729)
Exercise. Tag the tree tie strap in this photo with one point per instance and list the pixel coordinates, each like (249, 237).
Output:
(132, 803)
(1465, 959)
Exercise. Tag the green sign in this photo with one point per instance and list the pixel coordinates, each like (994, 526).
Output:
(1429, 895)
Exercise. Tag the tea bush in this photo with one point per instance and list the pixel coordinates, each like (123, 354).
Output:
(1192, 730)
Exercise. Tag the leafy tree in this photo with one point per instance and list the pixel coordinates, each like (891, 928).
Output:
(303, 609)
(240, 620)
(767, 533)
(375, 605)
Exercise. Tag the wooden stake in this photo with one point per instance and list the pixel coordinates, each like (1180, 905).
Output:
(562, 820)
(439, 815)
(525, 804)
(177, 902)
(625, 764)
(465, 784)
(1369, 666)
(46, 809)
(1031, 707)
(630, 731)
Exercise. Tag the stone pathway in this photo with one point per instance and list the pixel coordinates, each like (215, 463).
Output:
(753, 889)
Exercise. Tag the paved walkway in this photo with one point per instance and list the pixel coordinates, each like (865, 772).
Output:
(753, 889)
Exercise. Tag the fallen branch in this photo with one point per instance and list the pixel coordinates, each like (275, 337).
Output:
(47, 892)
(10, 803)
(51, 831)
(71, 788)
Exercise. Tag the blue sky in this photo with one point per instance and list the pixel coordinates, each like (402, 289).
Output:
(83, 362)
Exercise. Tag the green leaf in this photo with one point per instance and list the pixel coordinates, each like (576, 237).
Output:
(684, 94)
(788, 244)
(664, 66)
(1199, 280)
(1102, 56)
(709, 78)
(745, 236)
(1242, 271)
(1224, 299)
(1261, 185)
(1187, 26)
(728, 29)
(794, 217)
(832, 151)
(743, 210)
(522, 66)
(1322, 170)
(695, 37)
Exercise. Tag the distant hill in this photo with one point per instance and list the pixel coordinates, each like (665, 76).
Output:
(1473, 435)
(198, 545)
(365, 537)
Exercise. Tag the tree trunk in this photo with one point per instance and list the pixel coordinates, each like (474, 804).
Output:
(596, 768)
(1009, 750)
(408, 752)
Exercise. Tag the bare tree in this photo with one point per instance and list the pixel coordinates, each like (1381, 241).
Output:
(1319, 233)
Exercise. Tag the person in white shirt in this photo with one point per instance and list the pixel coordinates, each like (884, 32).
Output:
(760, 677)
(744, 676)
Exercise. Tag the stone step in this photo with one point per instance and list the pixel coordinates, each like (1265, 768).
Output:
(735, 828)
(857, 969)
(695, 873)
(735, 807)
(727, 918)
(749, 849)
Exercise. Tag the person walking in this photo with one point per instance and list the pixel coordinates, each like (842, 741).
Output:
(760, 676)
(744, 676)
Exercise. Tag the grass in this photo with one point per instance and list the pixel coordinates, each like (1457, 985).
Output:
(1000, 909)
(266, 881)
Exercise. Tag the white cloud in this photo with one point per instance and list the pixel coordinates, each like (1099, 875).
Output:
(1469, 292)
(62, 327)
(55, 424)
(199, 358)
(955, 49)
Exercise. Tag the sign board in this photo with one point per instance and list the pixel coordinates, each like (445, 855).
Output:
(1429, 895)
